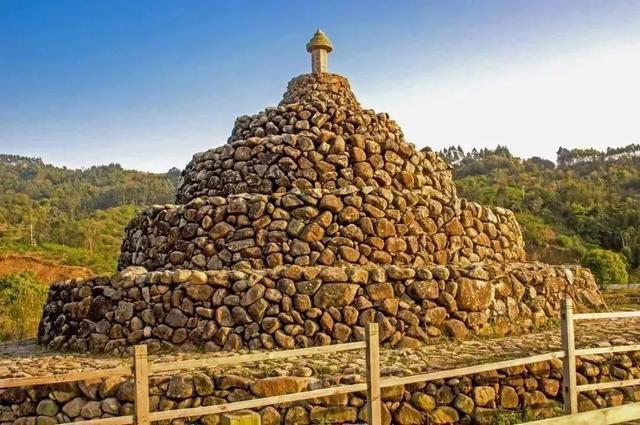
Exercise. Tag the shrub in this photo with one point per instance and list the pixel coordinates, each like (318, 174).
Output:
(564, 241)
(535, 231)
(608, 267)
(571, 242)
(634, 275)
(22, 297)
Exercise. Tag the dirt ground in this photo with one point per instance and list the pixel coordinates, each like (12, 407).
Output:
(623, 298)
(46, 271)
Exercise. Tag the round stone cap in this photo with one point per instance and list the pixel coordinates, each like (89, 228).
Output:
(319, 41)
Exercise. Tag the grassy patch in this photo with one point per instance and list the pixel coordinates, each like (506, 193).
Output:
(21, 299)
(99, 262)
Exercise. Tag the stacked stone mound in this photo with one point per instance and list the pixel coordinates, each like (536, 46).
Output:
(317, 138)
(318, 181)
(286, 307)
(318, 228)
(316, 218)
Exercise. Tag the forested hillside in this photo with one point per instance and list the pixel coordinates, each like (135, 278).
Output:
(74, 216)
(583, 208)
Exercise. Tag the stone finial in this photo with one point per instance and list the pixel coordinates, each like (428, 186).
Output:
(319, 46)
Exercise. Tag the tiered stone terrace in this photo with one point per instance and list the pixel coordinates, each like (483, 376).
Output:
(318, 181)
(304, 306)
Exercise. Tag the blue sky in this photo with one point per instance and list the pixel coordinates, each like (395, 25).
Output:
(149, 83)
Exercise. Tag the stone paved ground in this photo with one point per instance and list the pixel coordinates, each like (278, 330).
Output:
(623, 298)
(25, 358)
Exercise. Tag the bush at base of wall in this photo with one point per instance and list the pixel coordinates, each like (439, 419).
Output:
(608, 266)
(21, 299)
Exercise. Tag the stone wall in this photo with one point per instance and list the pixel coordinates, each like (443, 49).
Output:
(316, 227)
(287, 307)
(479, 398)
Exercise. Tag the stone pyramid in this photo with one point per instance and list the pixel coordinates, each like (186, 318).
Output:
(318, 180)
(314, 219)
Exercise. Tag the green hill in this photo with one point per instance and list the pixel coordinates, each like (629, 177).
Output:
(584, 207)
(75, 217)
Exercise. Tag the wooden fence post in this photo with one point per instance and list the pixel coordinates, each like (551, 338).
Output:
(141, 373)
(374, 407)
(569, 379)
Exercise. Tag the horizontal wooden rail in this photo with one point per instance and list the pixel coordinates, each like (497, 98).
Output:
(607, 385)
(118, 420)
(66, 377)
(608, 315)
(607, 350)
(452, 373)
(607, 416)
(254, 403)
(246, 358)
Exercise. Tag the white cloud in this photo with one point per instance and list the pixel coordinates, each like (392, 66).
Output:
(588, 98)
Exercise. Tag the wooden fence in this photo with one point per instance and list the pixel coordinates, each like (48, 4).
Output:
(141, 369)
(570, 389)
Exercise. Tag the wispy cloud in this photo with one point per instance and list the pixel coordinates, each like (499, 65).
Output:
(587, 98)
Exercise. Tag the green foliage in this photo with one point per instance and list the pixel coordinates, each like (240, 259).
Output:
(571, 242)
(534, 229)
(591, 199)
(100, 261)
(21, 299)
(512, 417)
(76, 216)
(508, 417)
(608, 267)
(634, 275)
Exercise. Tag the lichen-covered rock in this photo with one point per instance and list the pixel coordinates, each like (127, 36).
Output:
(333, 415)
(180, 386)
(47, 407)
(335, 295)
(407, 415)
(484, 395)
(297, 415)
(445, 415)
(268, 387)
(508, 397)
(474, 295)
(424, 402)
(456, 329)
(270, 416)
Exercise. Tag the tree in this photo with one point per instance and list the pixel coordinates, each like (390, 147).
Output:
(64, 208)
(592, 197)
(562, 157)
(543, 164)
(608, 267)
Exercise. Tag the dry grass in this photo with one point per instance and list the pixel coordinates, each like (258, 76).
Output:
(622, 299)
(22, 297)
